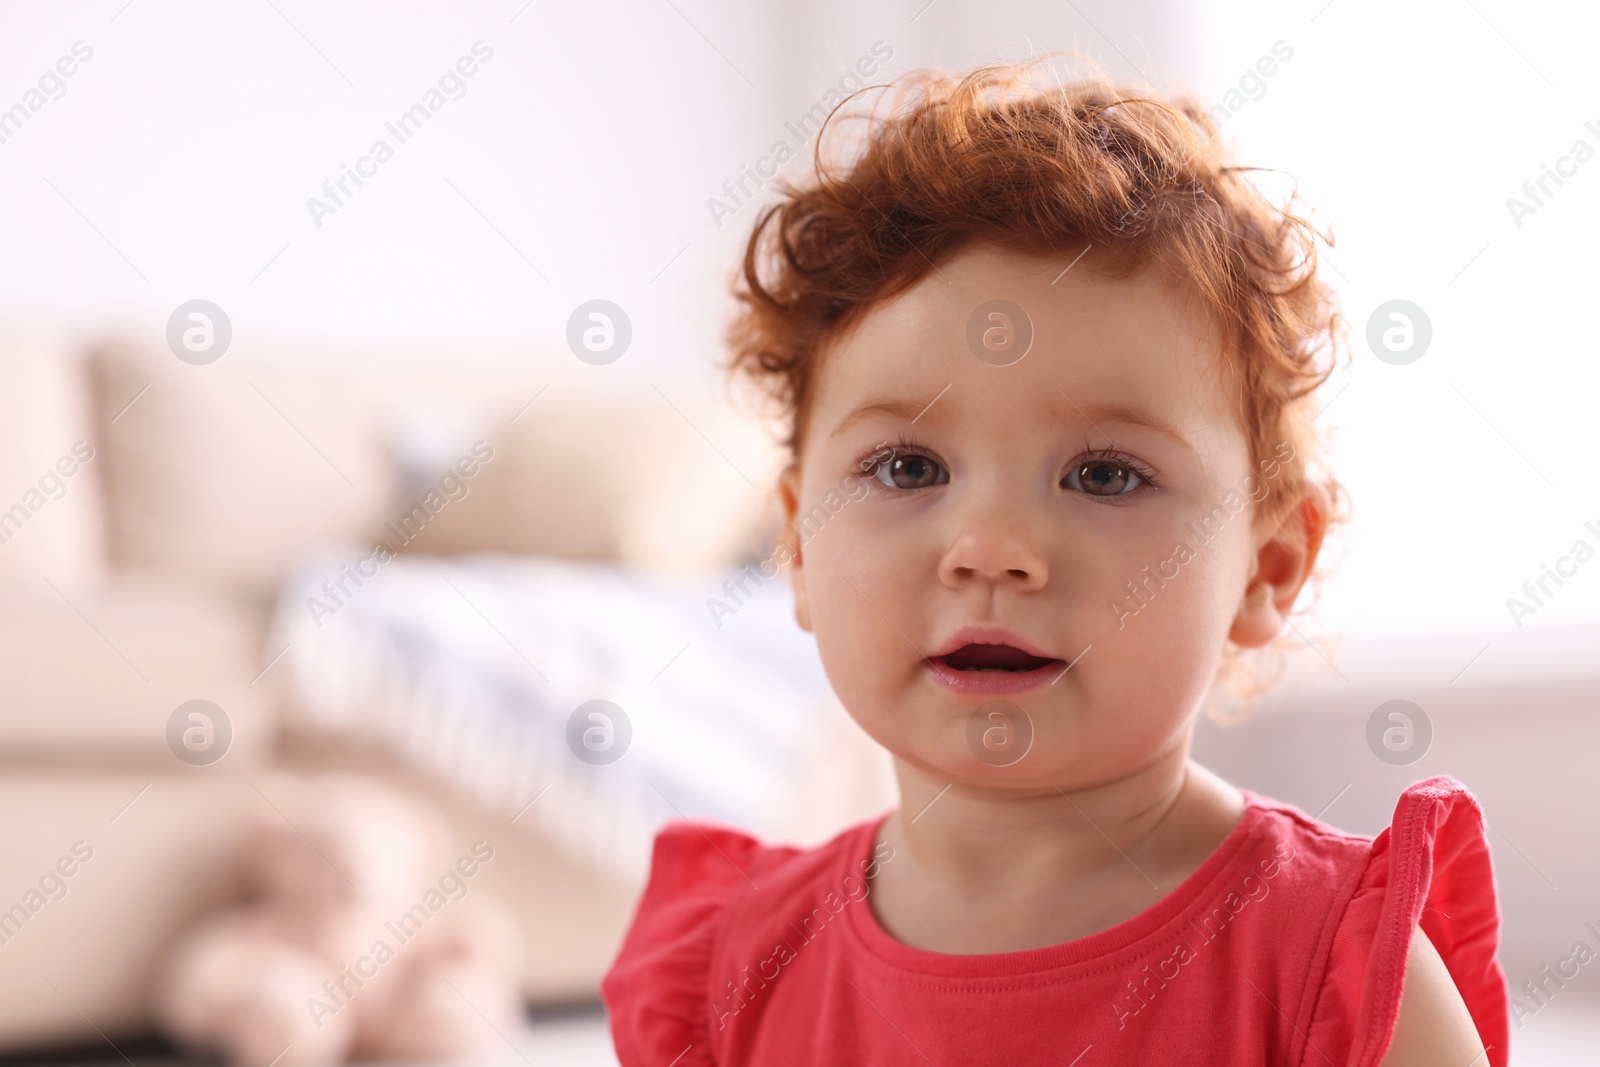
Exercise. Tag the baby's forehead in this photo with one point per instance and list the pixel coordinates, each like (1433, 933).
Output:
(992, 331)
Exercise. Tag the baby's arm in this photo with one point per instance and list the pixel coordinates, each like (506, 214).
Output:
(1434, 1028)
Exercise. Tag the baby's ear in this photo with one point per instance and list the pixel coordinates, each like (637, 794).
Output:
(1284, 560)
(788, 550)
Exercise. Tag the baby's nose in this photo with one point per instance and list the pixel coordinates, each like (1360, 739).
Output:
(994, 548)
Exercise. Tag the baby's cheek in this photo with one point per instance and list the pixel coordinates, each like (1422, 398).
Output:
(852, 605)
(1166, 640)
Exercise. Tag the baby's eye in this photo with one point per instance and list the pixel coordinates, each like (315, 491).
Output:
(1103, 477)
(909, 470)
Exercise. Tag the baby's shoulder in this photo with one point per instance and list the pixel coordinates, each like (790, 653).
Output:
(1429, 869)
(1307, 850)
(720, 868)
(713, 892)
(1432, 816)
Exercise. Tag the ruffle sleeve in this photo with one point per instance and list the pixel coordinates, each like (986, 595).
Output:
(656, 993)
(1430, 868)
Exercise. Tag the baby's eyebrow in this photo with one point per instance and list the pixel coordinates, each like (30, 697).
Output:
(902, 409)
(1129, 414)
(1067, 410)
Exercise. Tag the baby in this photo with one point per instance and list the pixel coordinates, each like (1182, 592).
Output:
(1073, 355)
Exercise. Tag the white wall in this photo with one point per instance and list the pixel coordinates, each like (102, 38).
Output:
(179, 161)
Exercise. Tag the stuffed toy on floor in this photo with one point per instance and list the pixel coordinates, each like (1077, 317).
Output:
(367, 937)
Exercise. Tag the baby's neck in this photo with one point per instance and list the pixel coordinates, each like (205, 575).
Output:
(980, 871)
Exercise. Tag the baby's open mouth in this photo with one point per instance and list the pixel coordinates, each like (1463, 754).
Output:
(993, 658)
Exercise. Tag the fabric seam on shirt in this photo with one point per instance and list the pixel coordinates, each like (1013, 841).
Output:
(1318, 971)
(1391, 963)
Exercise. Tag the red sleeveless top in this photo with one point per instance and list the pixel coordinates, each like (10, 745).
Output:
(1286, 947)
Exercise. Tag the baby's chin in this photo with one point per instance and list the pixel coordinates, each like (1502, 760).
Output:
(1061, 737)
(996, 745)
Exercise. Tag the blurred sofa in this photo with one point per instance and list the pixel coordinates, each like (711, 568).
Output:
(144, 578)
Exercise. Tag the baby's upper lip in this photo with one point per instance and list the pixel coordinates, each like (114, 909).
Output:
(989, 635)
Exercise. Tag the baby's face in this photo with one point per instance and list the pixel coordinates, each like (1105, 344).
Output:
(1024, 500)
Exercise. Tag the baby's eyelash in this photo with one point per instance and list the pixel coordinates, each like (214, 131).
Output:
(870, 460)
(1111, 454)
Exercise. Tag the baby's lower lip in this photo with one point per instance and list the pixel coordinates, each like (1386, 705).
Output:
(992, 682)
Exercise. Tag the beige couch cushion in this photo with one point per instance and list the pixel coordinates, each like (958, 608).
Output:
(670, 482)
(236, 470)
(50, 498)
(229, 472)
(93, 676)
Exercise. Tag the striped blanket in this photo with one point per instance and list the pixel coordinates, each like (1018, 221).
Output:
(480, 670)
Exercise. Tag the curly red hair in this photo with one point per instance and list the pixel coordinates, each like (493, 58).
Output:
(991, 156)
